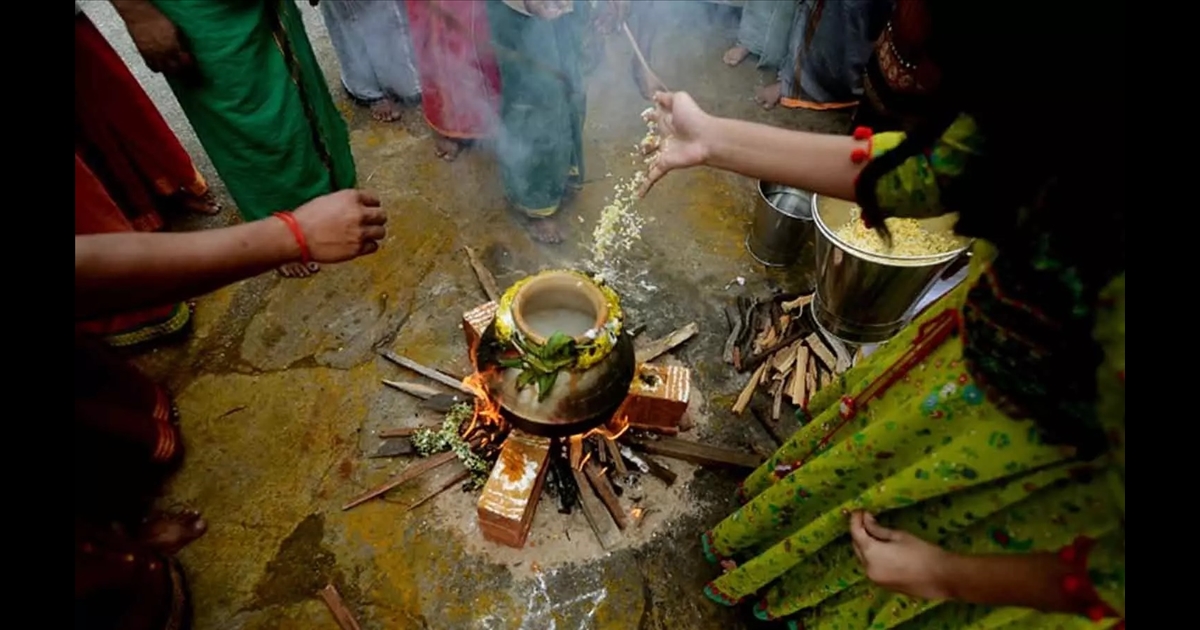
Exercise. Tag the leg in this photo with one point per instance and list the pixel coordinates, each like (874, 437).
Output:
(386, 110)
(768, 96)
(446, 148)
(736, 55)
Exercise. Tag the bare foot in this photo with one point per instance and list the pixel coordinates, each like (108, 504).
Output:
(446, 148)
(200, 204)
(169, 532)
(385, 110)
(768, 95)
(299, 270)
(736, 55)
(544, 230)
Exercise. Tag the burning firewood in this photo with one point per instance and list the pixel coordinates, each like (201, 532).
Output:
(595, 513)
(607, 495)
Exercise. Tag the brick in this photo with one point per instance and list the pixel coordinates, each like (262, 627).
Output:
(476, 320)
(658, 398)
(510, 496)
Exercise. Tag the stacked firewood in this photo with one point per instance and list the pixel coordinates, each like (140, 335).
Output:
(786, 354)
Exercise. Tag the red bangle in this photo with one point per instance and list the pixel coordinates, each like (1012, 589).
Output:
(1078, 585)
(290, 221)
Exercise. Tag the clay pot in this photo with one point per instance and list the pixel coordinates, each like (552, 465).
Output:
(580, 399)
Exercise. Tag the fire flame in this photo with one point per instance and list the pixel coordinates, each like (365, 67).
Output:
(611, 430)
(487, 411)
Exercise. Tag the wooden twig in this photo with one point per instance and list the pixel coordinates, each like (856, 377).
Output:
(428, 373)
(424, 392)
(659, 347)
(485, 277)
(341, 614)
(607, 496)
(735, 333)
(696, 453)
(798, 303)
(412, 472)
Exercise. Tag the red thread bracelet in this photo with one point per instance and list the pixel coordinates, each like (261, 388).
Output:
(859, 154)
(290, 221)
(1078, 586)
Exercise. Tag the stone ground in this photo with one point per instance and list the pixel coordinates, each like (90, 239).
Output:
(279, 383)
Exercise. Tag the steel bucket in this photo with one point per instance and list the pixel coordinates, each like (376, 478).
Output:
(782, 231)
(866, 298)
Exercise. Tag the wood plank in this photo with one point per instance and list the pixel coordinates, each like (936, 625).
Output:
(413, 471)
(821, 350)
(341, 613)
(696, 453)
(607, 495)
(428, 373)
(659, 347)
(485, 277)
(597, 516)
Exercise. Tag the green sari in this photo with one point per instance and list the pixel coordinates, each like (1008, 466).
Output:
(542, 107)
(261, 107)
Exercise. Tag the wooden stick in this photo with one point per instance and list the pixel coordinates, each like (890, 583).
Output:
(602, 524)
(403, 431)
(459, 476)
(754, 361)
(777, 394)
(607, 495)
(798, 303)
(743, 399)
(637, 50)
(412, 472)
(799, 376)
(341, 614)
(696, 453)
(735, 333)
(647, 464)
(659, 347)
(428, 373)
(810, 379)
(575, 451)
(485, 277)
(424, 392)
(615, 455)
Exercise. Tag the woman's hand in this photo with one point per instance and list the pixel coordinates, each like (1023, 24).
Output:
(156, 37)
(897, 560)
(547, 9)
(342, 225)
(684, 135)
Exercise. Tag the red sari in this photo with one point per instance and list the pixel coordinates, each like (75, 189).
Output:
(127, 162)
(460, 82)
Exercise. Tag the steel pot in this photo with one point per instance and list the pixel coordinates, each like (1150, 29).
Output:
(782, 231)
(580, 399)
(863, 297)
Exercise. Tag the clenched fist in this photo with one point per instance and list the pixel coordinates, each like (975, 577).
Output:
(342, 225)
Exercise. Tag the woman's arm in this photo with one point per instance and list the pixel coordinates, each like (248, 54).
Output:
(129, 270)
(1032, 580)
(817, 162)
